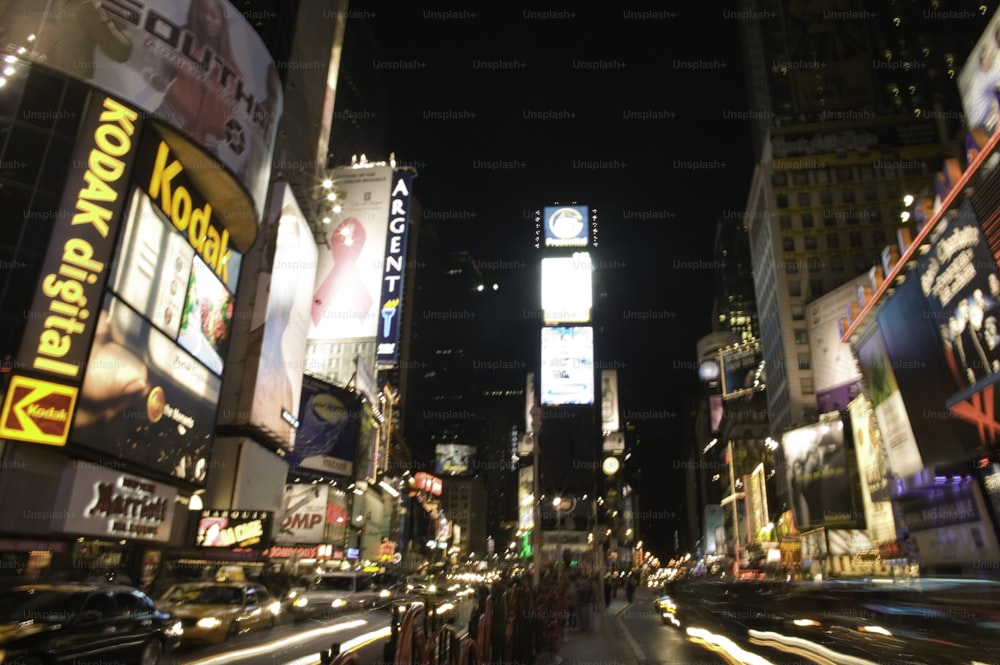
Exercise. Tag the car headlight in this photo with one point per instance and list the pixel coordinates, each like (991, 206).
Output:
(275, 608)
(174, 630)
(384, 593)
(301, 601)
(292, 594)
(340, 602)
(209, 623)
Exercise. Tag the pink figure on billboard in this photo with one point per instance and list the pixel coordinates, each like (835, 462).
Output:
(190, 101)
(343, 295)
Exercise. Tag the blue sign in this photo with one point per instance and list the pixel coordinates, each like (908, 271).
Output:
(391, 301)
(566, 226)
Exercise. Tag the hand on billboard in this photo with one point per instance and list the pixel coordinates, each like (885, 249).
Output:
(115, 377)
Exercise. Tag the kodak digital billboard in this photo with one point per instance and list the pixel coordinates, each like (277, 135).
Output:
(123, 351)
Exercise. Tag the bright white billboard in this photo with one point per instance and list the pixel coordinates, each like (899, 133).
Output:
(567, 289)
(567, 365)
(350, 265)
(283, 345)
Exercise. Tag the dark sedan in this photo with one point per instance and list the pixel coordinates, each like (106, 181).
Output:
(46, 623)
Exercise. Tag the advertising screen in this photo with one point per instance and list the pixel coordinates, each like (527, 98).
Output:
(452, 459)
(391, 300)
(329, 427)
(567, 289)
(940, 330)
(525, 498)
(898, 440)
(234, 528)
(278, 388)
(609, 401)
(349, 271)
(566, 226)
(61, 324)
(196, 64)
(835, 370)
(820, 477)
(979, 79)
(160, 275)
(303, 514)
(96, 501)
(144, 398)
(872, 471)
(567, 375)
(742, 368)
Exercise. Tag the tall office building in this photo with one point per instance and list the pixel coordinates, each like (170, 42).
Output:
(852, 107)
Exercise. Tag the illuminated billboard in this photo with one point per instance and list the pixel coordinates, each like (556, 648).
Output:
(58, 335)
(822, 476)
(234, 528)
(872, 470)
(349, 273)
(567, 289)
(303, 514)
(566, 226)
(567, 372)
(278, 389)
(610, 421)
(836, 375)
(144, 398)
(742, 369)
(525, 498)
(95, 501)
(452, 459)
(898, 440)
(391, 300)
(940, 330)
(979, 79)
(329, 428)
(197, 65)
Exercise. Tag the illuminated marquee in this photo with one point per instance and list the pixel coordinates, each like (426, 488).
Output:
(233, 528)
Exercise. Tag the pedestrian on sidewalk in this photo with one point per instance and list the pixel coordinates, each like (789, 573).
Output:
(631, 584)
(550, 611)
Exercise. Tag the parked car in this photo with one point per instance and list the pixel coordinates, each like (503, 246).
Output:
(45, 623)
(328, 594)
(211, 612)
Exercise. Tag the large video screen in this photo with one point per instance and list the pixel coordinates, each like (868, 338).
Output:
(159, 275)
(144, 398)
(567, 289)
(567, 375)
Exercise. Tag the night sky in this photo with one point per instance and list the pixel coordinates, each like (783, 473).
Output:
(633, 112)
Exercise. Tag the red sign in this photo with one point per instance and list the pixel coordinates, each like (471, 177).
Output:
(428, 483)
(386, 550)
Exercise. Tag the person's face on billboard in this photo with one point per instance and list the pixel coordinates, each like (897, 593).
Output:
(210, 18)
